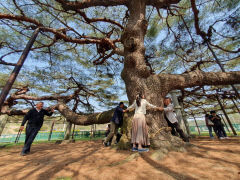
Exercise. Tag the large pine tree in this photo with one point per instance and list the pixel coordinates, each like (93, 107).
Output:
(109, 31)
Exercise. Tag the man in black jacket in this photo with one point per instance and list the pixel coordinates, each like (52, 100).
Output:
(218, 125)
(35, 119)
(115, 123)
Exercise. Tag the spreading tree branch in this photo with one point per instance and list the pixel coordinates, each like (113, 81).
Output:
(198, 78)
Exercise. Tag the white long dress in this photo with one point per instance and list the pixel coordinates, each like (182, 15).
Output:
(139, 131)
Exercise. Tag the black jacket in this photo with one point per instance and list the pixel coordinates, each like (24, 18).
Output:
(118, 116)
(216, 120)
(35, 118)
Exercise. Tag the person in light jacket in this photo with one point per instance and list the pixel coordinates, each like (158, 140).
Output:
(209, 125)
(139, 133)
(170, 117)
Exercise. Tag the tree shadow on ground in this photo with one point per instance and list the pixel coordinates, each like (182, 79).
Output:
(217, 150)
(202, 155)
(165, 169)
(44, 158)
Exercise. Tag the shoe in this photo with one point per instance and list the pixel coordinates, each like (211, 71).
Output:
(221, 138)
(105, 144)
(23, 154)
(143, 150)
(134, 149)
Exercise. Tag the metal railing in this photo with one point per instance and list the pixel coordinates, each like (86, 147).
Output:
(43, 136)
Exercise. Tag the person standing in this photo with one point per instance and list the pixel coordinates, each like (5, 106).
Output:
(173, 131)
(218, 125)
(119, 135)
(115, 123)
(209, 125)
(139, 134)
(107, 130)
(171, 118)
(35, 118)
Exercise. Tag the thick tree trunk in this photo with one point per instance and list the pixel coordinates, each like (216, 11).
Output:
(3, 122)
(68, 131)
(137, 77)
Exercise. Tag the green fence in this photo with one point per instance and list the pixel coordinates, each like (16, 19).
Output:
(43, 136)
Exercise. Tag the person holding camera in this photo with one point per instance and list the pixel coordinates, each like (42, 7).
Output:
(218, 125)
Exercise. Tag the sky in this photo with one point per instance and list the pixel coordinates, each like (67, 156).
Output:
(31, 63)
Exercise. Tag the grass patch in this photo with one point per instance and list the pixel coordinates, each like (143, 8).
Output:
(12, 144)
(207, 134)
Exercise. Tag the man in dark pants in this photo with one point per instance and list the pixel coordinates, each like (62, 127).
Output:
(171, 119)
(35, 119)
(173, 131)
(119, 135)
(218, 125)
(115, 123)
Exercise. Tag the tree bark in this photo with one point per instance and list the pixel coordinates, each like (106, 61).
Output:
(137, 76)
(3, 122)
(17, 68)
(198, 78)
(68, 131)
(84, 119)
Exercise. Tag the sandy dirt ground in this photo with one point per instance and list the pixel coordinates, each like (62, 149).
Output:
(208, 159)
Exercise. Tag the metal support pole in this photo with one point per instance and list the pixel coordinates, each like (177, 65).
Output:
(235, 105)
(196, 124)
(17, 68)
(50, 134)
(184, 115)
(226, 116)
(222, 68)
(178, 108)
(73, 131)
(225, 122)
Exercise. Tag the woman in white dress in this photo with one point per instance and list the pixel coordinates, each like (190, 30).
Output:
(139, 126)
